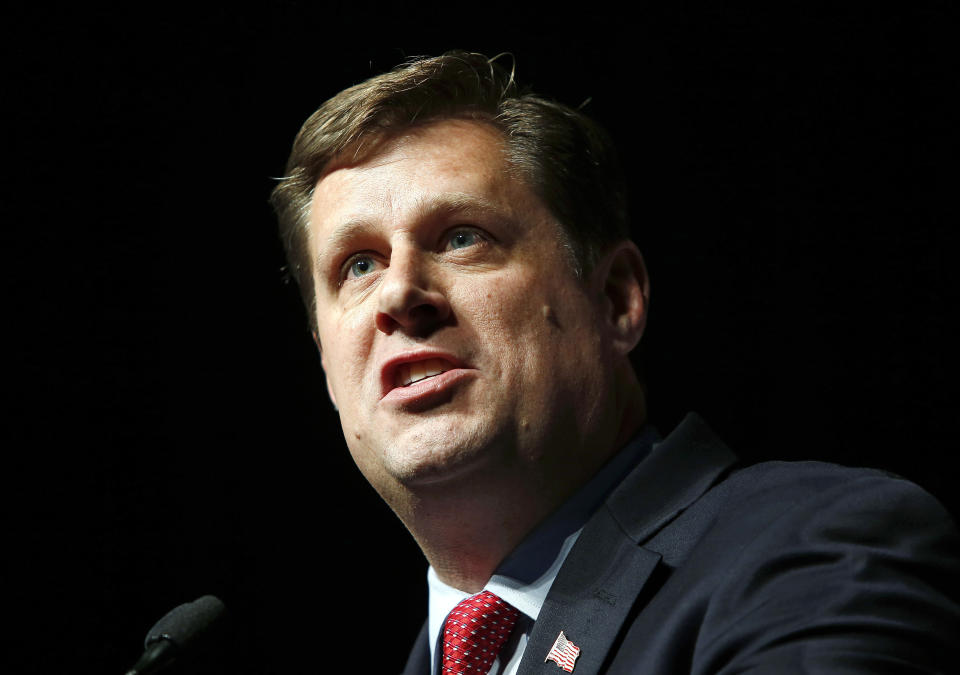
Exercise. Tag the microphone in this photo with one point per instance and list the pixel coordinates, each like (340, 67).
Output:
(178, 630)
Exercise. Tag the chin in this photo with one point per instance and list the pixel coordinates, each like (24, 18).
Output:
(438, 459)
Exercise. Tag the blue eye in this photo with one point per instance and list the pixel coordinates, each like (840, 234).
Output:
(361, 265)
(463, 239)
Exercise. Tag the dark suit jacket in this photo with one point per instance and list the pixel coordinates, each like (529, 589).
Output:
(694, 565)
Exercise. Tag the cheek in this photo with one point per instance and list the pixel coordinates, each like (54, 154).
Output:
(505, 308)
(345, 350)
(515, 320)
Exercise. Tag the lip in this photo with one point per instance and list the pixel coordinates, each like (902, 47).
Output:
(426, 390)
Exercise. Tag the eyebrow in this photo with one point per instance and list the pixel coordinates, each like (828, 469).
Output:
(438, 206)
(456, 203)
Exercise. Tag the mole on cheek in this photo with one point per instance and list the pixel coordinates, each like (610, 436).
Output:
(550, 316)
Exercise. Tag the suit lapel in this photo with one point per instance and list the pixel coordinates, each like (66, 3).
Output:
(590, 597)
(608, 567)
(675, 475)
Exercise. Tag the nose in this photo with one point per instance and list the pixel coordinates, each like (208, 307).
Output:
(410, 299)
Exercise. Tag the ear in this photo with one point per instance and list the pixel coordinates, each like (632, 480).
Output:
(621, 278)
(323, 362)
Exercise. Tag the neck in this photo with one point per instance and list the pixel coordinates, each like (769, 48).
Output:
(502, 514)
(506, 503)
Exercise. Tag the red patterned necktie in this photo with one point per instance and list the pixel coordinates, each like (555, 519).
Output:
(474, 633)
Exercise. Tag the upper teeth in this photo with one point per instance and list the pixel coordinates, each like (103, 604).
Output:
(408, 373)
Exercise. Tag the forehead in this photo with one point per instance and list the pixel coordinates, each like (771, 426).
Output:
(450, 161)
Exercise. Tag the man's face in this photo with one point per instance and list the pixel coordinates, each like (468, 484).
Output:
(455, 336)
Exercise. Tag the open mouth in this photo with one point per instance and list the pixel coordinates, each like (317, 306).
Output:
(419, 379)
(408, 373)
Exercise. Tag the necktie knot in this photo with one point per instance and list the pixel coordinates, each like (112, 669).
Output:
(474, 632)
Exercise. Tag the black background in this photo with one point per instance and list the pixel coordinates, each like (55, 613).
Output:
(167, 431)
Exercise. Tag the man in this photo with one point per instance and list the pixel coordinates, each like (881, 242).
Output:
(462, 248)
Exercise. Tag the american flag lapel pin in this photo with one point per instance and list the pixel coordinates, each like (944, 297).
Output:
(563, 653)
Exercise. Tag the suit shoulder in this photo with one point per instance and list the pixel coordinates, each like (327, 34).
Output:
(763, 505)
(806, 473)
(820, 485)
(856, 506)
(806, 560)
